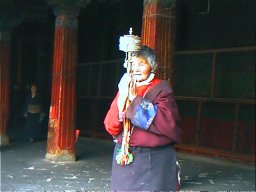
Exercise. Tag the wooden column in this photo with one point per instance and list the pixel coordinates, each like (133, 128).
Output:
(158, 33)
(61, 133)
(5, 39)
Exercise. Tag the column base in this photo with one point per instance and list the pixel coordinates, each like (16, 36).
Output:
(62, 156)
(4, 139)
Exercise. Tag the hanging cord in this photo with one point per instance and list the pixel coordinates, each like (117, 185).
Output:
(124, 156)
(129, 44)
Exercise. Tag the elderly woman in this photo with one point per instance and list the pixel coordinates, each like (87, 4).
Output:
(155, 123)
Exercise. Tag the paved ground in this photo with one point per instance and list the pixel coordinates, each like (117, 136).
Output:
(24, 168)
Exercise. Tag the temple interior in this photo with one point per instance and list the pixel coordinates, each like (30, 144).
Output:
(70, 50)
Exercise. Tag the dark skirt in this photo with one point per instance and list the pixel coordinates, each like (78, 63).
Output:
(33, 125)
(153, 169)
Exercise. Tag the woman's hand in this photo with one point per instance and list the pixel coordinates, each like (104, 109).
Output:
(127, 88)
(132, 89)
(123, 84)
(123, 87)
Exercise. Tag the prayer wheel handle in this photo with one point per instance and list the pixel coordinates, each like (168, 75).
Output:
(129, 44)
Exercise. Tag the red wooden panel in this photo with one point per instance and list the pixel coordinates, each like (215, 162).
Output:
(188, 134)
(4, 85)
(217, 133)
(246, 137)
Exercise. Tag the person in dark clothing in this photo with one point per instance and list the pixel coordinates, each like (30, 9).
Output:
(149, 164)
(33, 113)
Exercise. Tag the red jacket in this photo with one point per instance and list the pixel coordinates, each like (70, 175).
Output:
(165, 127)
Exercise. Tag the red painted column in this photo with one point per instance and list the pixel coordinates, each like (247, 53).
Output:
(158, 33)
(5, 39)
(61, 133)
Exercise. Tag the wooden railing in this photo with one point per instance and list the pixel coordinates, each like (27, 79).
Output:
(200, 100)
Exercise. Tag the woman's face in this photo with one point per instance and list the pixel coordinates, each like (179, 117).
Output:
(141, 69)
(33, 89)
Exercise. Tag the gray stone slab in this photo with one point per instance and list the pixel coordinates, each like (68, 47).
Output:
(24, 168)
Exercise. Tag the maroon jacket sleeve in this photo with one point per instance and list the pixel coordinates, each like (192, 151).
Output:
(167, 120)
(112, 124)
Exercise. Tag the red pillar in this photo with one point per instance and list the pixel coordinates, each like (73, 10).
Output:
(158, 33)
(5, 38)
(61, 133)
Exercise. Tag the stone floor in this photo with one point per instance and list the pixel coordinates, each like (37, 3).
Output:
(24, 168)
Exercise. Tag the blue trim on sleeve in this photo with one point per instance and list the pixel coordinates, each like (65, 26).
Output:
(144, 115)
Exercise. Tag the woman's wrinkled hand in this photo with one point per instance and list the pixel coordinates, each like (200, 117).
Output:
(127, 89)
(132, 90)
(123, 84)
(123, 87)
